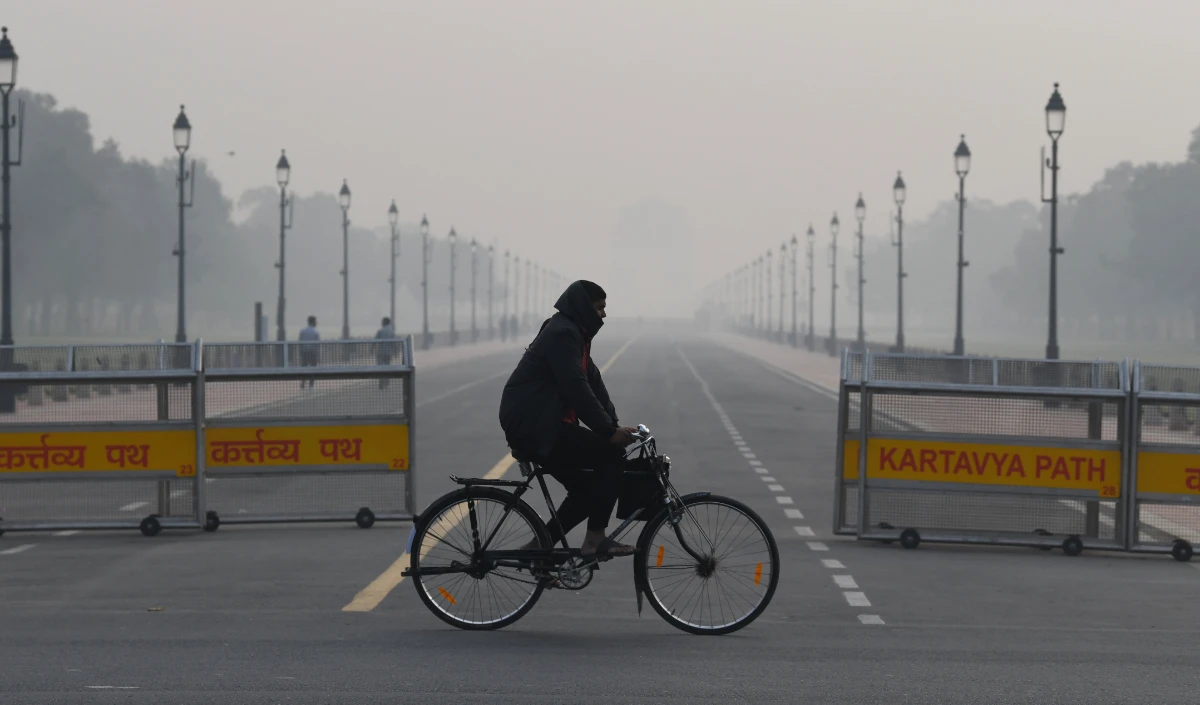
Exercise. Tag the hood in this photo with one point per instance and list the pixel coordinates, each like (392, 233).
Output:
(577, 305)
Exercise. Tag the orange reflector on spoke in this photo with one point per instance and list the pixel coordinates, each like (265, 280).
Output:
(450, 598)
(757, 574)
(661, 550)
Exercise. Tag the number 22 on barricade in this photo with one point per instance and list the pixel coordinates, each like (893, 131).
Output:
(186, 470)
(399, 464)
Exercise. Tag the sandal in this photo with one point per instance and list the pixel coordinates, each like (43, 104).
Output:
(610, 549)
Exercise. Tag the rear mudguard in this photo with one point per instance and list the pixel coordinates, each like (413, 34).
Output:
(643, 538)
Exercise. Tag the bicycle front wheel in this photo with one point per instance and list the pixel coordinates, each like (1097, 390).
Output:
(477, 596)
(727, 578)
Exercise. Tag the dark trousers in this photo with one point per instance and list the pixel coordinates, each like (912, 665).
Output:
(590, 495)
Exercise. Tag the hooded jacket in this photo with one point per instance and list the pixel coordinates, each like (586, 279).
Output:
(555, 377)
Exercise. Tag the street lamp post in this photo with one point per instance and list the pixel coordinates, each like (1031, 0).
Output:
(8, 80)
(491, 290)
(782, 285)
(504, 332)
(962, 165)
(767, 276)
(795, 333)
(516, 295)
(811, 236)
(344, 202)
(529, 285)
(474, 273)
(393, 220)
(834, 226)
(899, 193)
(1056, 118)
(425, 341)
(860, 214)
(283, 174)
(182, 133)
(453, 265)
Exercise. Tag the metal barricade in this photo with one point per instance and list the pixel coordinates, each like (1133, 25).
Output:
(309, 431)
(101, 437)
(1165, 514)
(969, 450)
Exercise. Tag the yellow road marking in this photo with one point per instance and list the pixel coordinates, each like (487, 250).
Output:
(369, 597)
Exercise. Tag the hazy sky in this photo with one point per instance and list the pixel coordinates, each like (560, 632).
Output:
(538, 123)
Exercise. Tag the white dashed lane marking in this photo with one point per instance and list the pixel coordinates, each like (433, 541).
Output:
(793, 514)
(832, 563)
(817, 546)
(784, 500)
(870, 619)
(845, 582)
(17, 549)
(775, 488)
(857, 599)
(804, 531)
(761, 471)
(767, 479)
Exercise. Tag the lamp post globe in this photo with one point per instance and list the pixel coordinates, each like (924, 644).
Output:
(283, 170)
(8, 63)
(962, 158)
(1056, 114)
(860, 209)
(344, 196)
(182, 131)
(899, 190)
(393, 213)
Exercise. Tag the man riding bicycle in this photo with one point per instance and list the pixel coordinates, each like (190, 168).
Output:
(555, 386)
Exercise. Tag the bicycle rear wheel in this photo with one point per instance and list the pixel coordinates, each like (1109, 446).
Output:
(730, 581)
(481, 597)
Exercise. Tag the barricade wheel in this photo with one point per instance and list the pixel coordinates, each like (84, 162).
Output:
(1042, 532)
(365, 518)
(211, 521)
(1181, 551)
(886, 526)
(1072, 546)
(150, 526)
(909, 538)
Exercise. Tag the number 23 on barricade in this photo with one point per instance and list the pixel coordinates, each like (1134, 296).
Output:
(384, 446)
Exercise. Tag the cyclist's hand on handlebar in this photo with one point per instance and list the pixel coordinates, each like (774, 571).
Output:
(622, 437)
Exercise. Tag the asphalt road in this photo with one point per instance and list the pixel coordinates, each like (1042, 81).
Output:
(256, 614)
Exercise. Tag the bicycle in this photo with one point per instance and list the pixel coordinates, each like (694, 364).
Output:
(716, 540)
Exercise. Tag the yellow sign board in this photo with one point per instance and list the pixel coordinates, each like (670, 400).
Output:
(1096, 471)
(1168, 473)
(99, 451)
(276, 446)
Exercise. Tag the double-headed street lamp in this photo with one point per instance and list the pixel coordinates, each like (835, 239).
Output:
(393, 220)
(1056, 119)
(962, 165)
(283, 174)
(344, 202)
(453, 264)
(834, 226)
(811, 235)
(860, 214)
(899, 193)
(182, 133)
(8, 80)
(425, 341)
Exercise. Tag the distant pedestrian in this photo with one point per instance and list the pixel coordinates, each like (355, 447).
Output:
(310, 350)
(385, 349)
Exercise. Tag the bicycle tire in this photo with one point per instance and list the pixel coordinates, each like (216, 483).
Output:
(646, 555)
(438, 509)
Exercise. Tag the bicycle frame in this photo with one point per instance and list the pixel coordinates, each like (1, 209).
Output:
(483, 560)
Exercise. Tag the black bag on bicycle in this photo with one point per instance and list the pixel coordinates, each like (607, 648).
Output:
(640, 488)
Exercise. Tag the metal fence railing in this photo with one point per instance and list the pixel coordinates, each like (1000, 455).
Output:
(190, 435)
